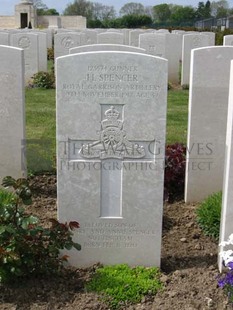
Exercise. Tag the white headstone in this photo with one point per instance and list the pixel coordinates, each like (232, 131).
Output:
(4, 38)
(12, 118)
(30, 44)
(88, 37)
(106, 47)
(134, 37)
(153, 43)
(164, 45)
(211, 36)
(64, 41)
(208, 103)
(42, 46)
(228, 40)
(173, 54)
(227, 200)
(111, 109)
(126, 35)
(49, 33)
(110, 38)
(190, 41)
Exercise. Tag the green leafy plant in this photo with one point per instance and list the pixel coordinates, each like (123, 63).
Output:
(209, 215)
(44, 80)
(121, 285)
(25, 246)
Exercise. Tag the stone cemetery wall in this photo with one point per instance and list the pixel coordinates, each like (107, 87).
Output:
(208, 104)
(111, 125)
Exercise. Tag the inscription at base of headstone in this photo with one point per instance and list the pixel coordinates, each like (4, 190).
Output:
(111, 124)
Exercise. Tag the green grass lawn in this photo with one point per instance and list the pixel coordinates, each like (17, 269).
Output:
(41, 125)
(177, 116)
(40, 129)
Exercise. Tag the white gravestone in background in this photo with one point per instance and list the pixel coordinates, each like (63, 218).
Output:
(211, 36)
(227, 201)
(208, 104)
(111, 125)
(164, 45)
(106, 47)
(4, 38)
(134, 37)
(64, 41)
(30, 44)
(110, 38)
(228, 40)
(42, 45)
(88, 37)
(190, 41)
(12, 118)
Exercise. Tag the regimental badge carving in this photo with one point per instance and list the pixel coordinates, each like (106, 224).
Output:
(67, 42)
(113, 142)
(24, 42)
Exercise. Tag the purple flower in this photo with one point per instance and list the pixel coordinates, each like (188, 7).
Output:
(227, 279)
(230, 265)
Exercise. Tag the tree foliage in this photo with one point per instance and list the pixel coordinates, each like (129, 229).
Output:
(181, 14)
(132, 8)
(39, 4)
(219, 8)
(203, 10)
(162, 12)
(47, 12)
(102, 12)
(79, 7)
(135, 21)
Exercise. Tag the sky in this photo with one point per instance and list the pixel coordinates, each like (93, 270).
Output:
(7, 6)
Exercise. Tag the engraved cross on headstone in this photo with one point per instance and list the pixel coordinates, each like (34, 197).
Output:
(112, 150)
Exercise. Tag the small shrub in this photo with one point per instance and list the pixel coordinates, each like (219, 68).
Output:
(26, 247)
(174, 171)
(50, 53)
(209, 215)
(44, 80)
(121, 285)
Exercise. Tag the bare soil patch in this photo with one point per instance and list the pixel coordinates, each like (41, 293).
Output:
(189, 267)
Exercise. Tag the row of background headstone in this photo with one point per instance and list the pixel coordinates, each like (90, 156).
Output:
(175, 46)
